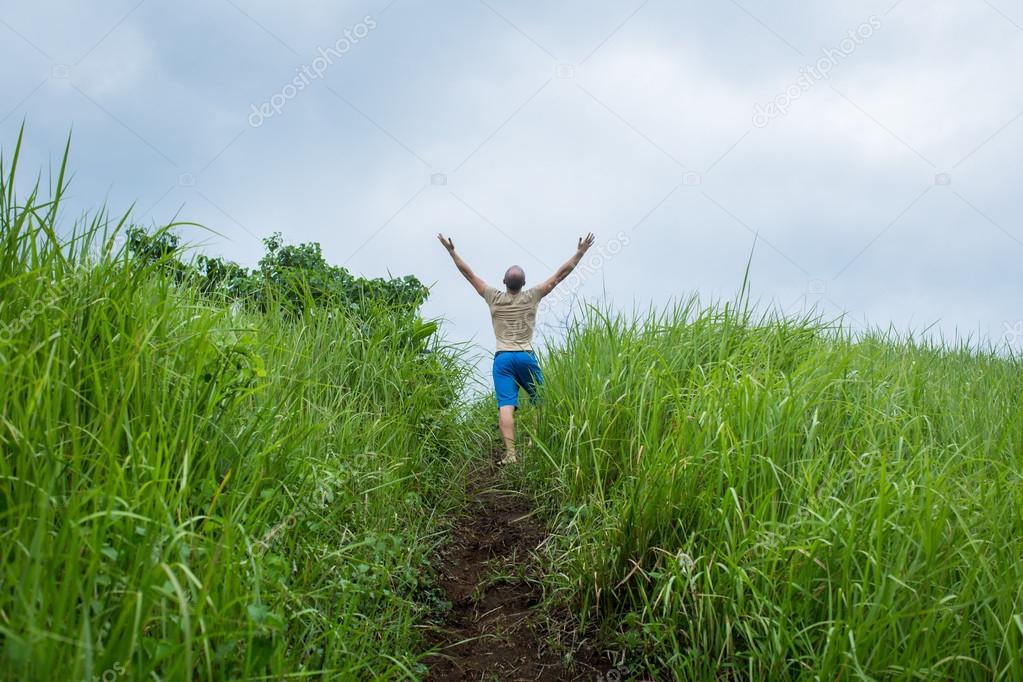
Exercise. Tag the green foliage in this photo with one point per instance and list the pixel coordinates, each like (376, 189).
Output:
(194, 490)
(219, 276)
(156, 248)
(292, 277)
(302, 272)
(742, 498)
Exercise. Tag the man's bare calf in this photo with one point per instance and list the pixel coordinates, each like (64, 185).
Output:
(506, 421)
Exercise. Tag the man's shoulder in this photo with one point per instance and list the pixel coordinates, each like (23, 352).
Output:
(491, 294)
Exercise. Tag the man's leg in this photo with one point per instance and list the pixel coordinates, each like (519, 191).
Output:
(507, 424)
(507, 391)
(530, 377)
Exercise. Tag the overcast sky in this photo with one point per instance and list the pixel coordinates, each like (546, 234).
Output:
(875, 147)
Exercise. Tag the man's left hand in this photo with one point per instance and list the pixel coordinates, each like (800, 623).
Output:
(448, 243)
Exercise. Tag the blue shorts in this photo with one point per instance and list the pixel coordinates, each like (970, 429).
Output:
(513, 369)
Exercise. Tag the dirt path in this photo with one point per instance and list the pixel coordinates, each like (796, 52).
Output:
(488, 574)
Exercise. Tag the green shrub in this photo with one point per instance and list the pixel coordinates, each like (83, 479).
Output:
(294, 278)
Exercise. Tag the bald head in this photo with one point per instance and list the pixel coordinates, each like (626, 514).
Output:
(514, 279)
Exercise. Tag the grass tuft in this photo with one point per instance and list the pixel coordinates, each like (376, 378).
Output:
(194, 489)
(763, 498)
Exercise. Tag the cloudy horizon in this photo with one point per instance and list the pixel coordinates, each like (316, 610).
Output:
(871, 152)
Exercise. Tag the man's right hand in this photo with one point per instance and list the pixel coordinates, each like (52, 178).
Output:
(448, 244)
(585, 243)
(478, 284)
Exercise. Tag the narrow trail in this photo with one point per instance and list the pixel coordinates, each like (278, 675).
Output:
(488, 573)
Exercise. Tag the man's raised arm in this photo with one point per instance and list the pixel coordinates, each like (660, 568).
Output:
(478, 284)
(584, 244)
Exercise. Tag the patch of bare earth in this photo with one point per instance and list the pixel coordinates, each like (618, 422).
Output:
(495, 631)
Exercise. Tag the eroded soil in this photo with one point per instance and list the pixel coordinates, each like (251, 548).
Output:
(487, 571)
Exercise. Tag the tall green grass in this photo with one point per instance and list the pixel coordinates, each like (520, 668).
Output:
(192, 490)
(743, 497)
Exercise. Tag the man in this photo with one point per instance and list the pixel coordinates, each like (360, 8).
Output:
(513, 313)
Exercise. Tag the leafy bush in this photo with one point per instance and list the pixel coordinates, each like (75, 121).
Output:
(293, 277)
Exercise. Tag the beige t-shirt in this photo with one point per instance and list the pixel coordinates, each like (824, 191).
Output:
(514, 316)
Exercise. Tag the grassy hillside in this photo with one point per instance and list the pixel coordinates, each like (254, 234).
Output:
(195, 488)
(213, 473)
(757, 499)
